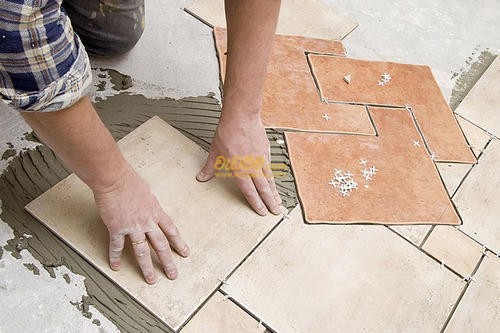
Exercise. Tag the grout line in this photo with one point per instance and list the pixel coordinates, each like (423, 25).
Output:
(199, 18)
(460, 297)
(375, 105)
(371, 120)
(426, 237)
(485, 245)
(199, 308)
(493, 136)
(422, 251)
(475, 125)
(470, 170)
(315, 78)
(419, 130)
(243, 308)
(440, 262)
(251, 252)
(218, 288)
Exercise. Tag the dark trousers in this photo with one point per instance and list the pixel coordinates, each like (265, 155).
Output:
(107, 27)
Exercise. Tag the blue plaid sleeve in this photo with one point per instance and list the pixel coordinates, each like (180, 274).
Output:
(43, 64)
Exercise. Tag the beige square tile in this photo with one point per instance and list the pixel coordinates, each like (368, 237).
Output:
(404, 188)
(453, 248)
(309, 18)
(210, 216)
(480, 106)
(477, 199)
(413, 233)
(408, 84)
(221, 315)
(479, 309)
(477, 137)
(312, 278)
(452, 174)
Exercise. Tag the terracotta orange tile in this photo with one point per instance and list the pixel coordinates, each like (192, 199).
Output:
(408, 84)
(291, 99)
(405, 189)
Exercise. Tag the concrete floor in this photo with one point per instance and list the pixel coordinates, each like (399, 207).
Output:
(448, 35)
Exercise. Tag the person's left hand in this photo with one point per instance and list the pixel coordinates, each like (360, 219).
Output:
(239, 138)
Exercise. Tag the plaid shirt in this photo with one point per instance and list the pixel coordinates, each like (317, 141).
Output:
(43, 64)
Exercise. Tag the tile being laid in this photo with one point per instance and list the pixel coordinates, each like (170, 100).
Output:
(220, 315)
(312, 278)
(405, 189)
(454, 249)
(308, 18)
(477, 199)
(479, 309)
(406, 84)
(290, 98)
(480, 106)
(210, 216)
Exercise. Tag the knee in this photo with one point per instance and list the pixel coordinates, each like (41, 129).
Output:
(111, 29)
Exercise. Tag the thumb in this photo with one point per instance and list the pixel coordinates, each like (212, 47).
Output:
(208, 171)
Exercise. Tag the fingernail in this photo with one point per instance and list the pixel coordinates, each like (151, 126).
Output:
(201, 174)
(185, 251)
(276, 210)
(171, 272)
(151, 279)
(262, 210)
(278, 198)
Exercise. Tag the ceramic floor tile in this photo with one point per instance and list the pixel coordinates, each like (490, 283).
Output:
(291, 100)
(480, 106)
(406, 84)
(413, 233)
(453, 248)
(406, 179)
(479, 309)
(209, 215)
(312, 278)
(477, 199)
(452, 174)
(221, 315)
(477, 137)
(309, 18)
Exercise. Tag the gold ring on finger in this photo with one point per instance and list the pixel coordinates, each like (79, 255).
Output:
(139, 242)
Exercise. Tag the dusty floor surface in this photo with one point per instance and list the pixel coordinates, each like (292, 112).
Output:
(44, 285)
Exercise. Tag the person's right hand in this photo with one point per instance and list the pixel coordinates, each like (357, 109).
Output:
(128, 208)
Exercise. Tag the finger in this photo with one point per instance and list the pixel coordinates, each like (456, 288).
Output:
(247, 187)
(143, 256)
(268, 173)
(208, 171)
(266, 194)
(173, 236)
(162, 248)
(116, 243)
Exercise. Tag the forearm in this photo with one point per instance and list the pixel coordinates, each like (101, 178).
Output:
(251, 26)
(78, 136)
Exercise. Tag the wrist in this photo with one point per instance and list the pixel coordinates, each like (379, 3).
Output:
(110, 177)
